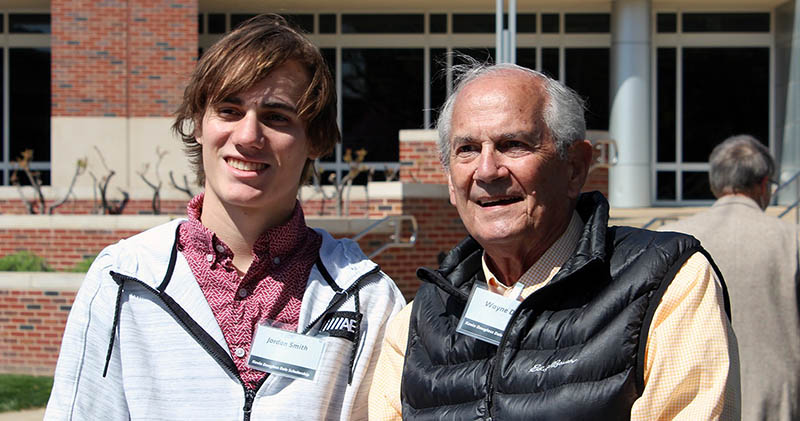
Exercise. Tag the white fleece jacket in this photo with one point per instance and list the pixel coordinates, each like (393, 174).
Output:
(158, 369)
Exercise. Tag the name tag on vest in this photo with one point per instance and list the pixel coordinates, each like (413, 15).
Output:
(487, 315)
(285, 353)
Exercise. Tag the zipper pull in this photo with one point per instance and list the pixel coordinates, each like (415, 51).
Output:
(249, 397)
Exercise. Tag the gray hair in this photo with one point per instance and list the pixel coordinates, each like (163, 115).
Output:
(738, 164)
(563, 111)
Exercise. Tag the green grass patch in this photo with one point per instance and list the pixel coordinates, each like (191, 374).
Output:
(23, 392)
(83, 265)
(23, 261)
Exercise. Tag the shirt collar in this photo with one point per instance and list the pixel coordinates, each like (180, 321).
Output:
(278, 241)
(540, 273)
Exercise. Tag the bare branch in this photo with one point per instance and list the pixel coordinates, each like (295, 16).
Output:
(185, 187)
(80, 168)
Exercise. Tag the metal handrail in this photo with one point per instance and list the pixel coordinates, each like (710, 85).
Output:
(795, 204)
(608, 156)
(785, 184)
(662, 219)
(394, 240)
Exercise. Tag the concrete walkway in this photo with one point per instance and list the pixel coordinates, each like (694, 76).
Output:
(27, 415)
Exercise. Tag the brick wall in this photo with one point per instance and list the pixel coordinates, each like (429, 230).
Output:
(125, 58)
(420, 156)
(31, 325)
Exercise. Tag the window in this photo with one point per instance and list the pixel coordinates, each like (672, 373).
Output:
(582, 23)
(383, 24)
(726, 22)
(705, 92)
(382, 93)
(26, 122)
(587, 72)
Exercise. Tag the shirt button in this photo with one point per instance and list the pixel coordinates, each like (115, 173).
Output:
(239, 352)
(220, 248)
(210, 257)
(276, 260)
(243, 292)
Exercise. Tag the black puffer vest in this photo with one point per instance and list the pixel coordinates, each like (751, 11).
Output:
(572, 350)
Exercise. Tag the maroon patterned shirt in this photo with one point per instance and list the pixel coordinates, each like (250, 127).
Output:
(272, 288)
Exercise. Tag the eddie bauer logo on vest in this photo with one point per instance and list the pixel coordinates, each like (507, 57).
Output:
(342, 324)
(540, 368)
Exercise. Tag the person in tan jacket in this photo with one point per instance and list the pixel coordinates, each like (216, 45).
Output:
(757, 254)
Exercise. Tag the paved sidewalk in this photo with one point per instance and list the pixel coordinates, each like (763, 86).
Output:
(27, 415)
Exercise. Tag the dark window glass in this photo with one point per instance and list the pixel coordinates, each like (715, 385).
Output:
(329, 54)
(29, 23)
(526, 23)
(550, 23)
(482, 55)
(22, 178)
(587, 72)
(200, 25)
(29, 102)
(382, 93)
(2, 157)
(1, 23)
(383, 23)
(725, 92)
(438, 65)
(667, 22)
(666, 101)
(526, 57)
(438, 23)
(725, 22)
(584, 23)
(550, 63)
(238, 18)
(216, 23)
(665, 185)
(473, 23)
(327, 24)
(696, 186)
(302, 21)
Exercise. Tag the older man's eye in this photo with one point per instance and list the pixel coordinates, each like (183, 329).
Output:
(466, 149)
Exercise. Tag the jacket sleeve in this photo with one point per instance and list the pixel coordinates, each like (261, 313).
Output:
(80, 392)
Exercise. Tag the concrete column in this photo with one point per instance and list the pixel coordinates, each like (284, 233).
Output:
(629, 125)
(790, 144)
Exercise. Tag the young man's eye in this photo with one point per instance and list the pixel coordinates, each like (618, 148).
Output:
(227, 111)
(275, 117)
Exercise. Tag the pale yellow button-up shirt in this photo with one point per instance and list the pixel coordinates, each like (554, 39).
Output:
(691, 366)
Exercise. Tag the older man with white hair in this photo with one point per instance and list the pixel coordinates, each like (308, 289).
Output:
(544, 311)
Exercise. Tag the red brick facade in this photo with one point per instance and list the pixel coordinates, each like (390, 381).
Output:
(31, 325)
(421, 162)
(123, 58)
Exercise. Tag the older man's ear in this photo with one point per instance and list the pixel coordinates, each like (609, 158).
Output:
(579, 158)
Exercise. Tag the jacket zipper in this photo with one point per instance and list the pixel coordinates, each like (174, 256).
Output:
(249, 394)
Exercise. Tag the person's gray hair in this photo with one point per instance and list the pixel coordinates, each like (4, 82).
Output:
(738, 164)
(563, 111)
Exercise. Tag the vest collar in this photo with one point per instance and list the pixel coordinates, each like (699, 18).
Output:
(462, 266)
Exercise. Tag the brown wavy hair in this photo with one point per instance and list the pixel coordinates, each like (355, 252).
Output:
(241, 59)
